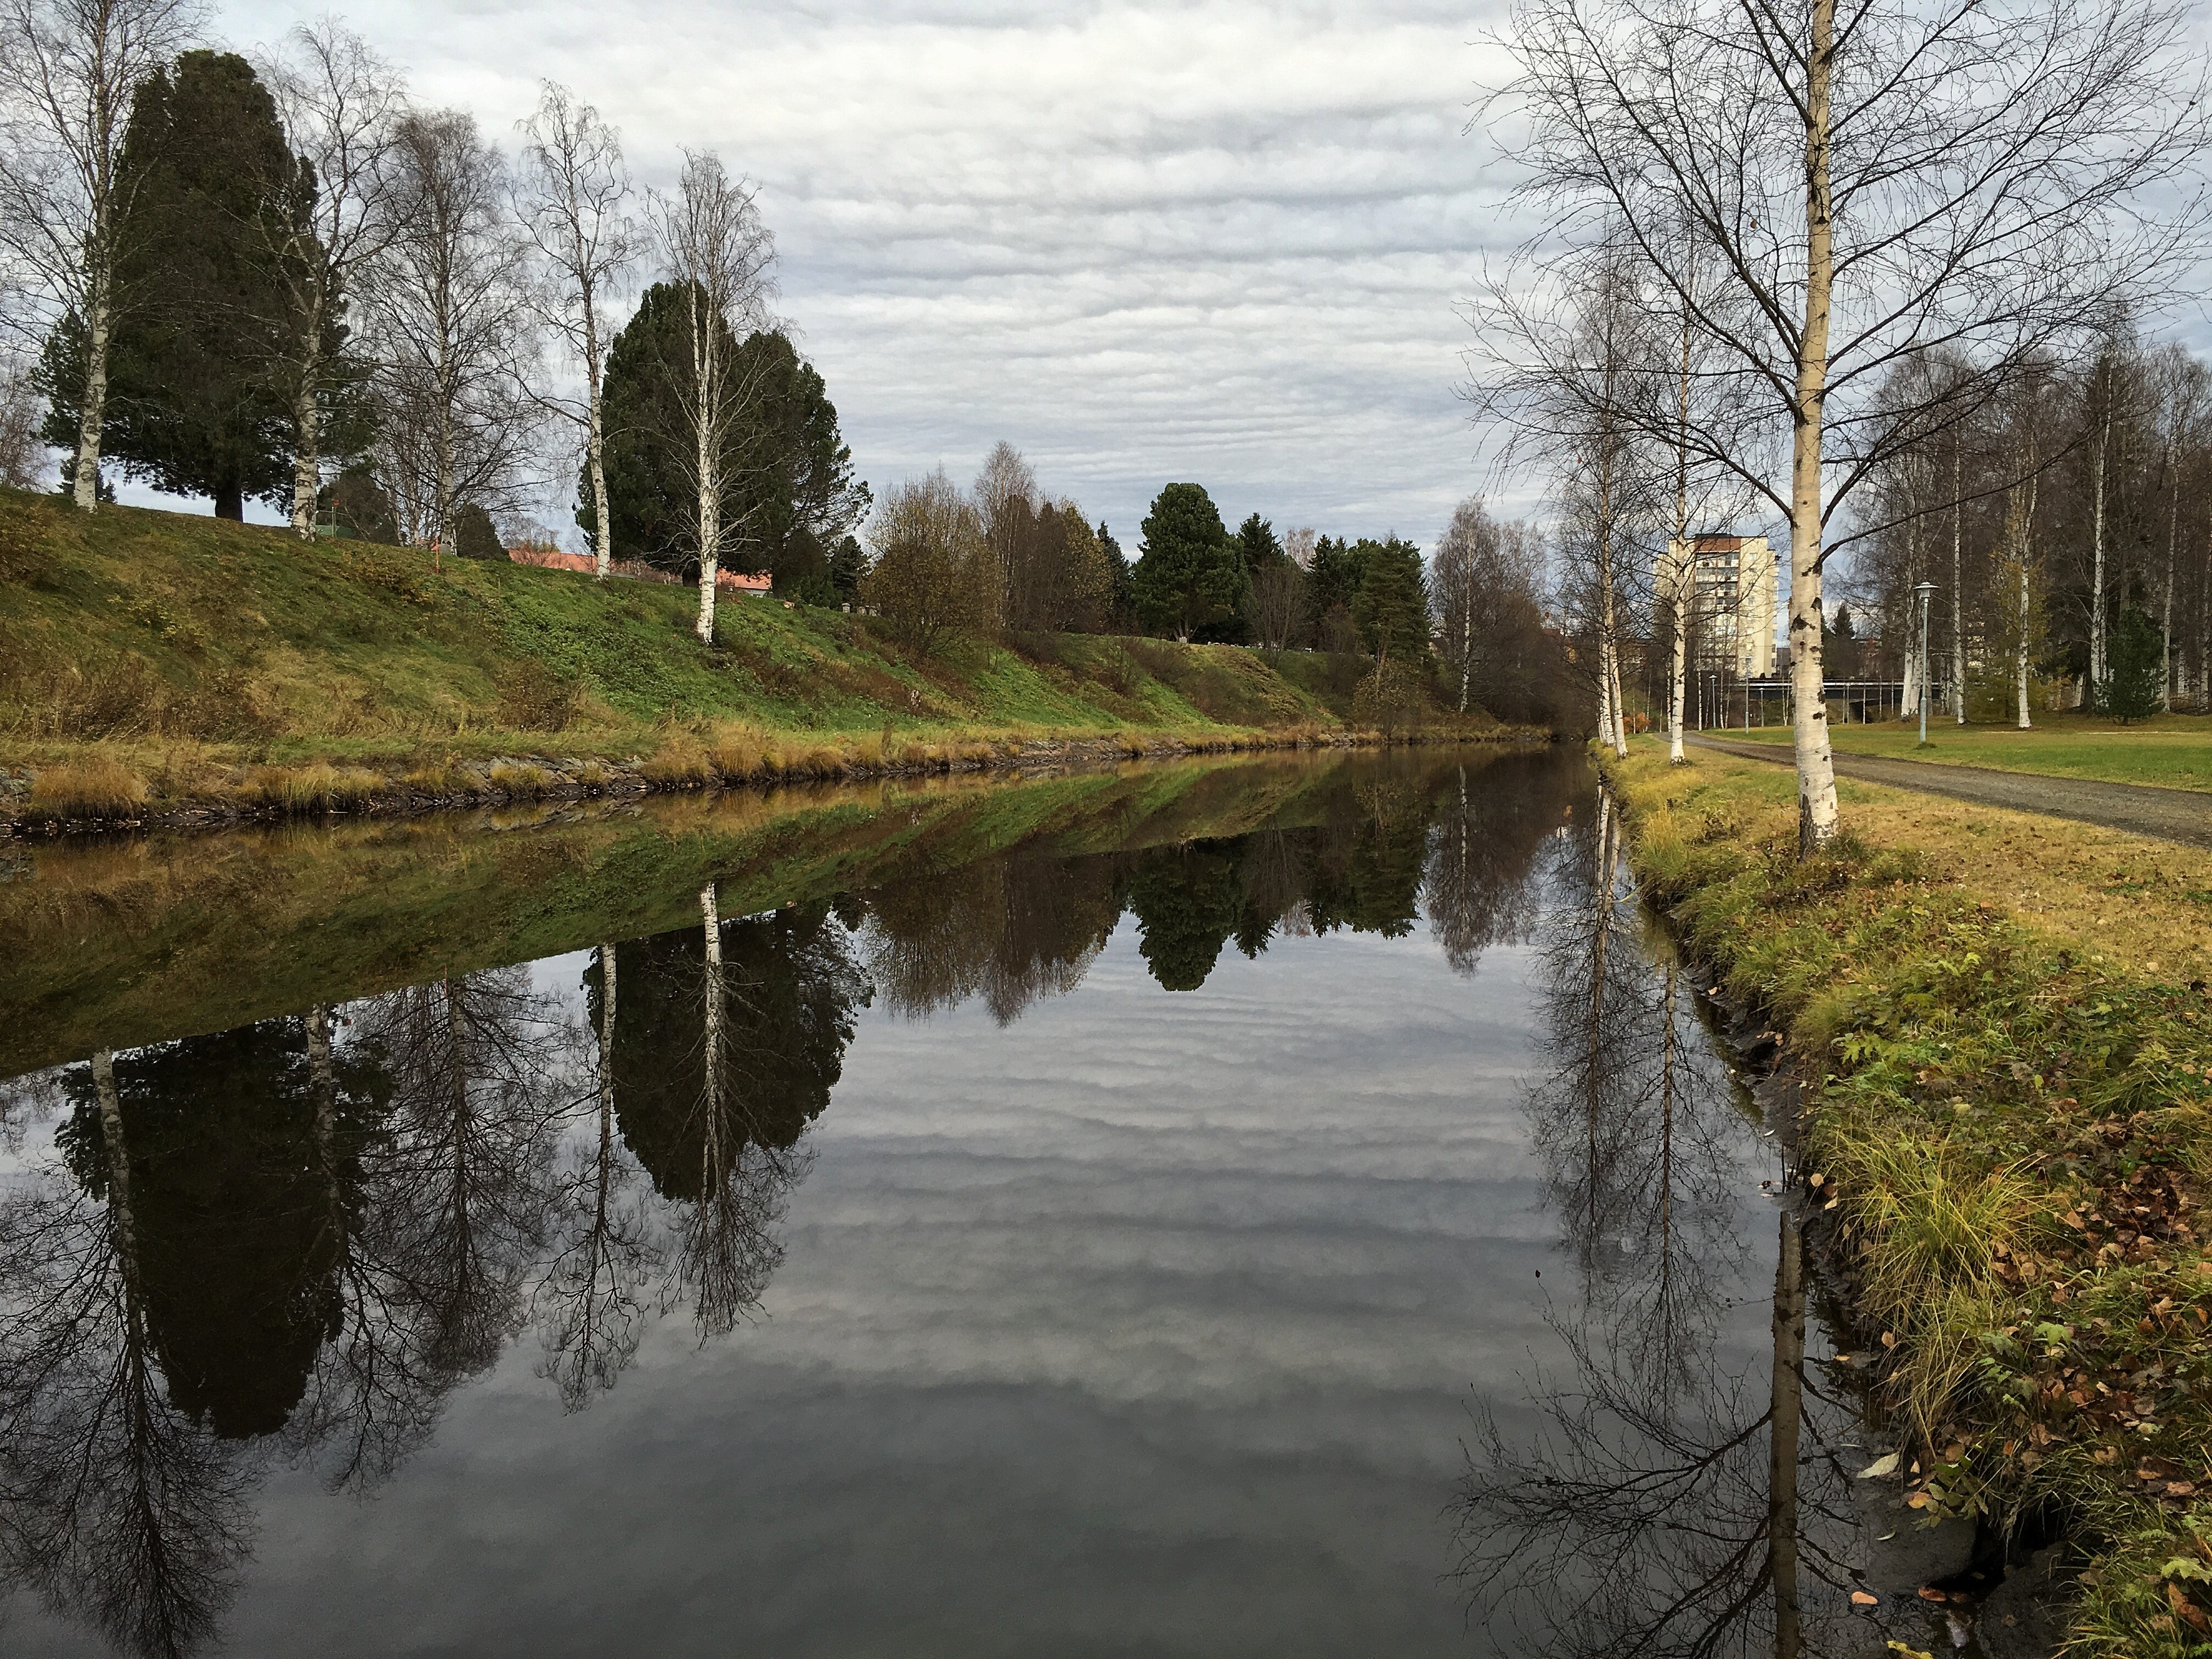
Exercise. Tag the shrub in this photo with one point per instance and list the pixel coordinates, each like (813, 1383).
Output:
(533, 698)
(1388, 699)
(93, 788)
(679, 764)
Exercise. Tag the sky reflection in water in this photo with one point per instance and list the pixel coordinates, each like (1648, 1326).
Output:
(1043, 1253)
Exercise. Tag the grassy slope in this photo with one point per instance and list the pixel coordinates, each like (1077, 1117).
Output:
(168, 936)
(2171, 750)
(2011, 1121)
(182, 645)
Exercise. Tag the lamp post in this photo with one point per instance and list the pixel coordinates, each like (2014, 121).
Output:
(1926, 592)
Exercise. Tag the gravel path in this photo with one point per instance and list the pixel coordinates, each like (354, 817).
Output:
(2181, 815)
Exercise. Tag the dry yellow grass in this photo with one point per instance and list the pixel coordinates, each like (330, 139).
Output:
(93, 787)
(2140, 903)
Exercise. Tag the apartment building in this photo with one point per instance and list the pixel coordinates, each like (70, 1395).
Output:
(1733, 584)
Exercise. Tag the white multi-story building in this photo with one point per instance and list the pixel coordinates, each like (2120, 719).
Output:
(1733, 583)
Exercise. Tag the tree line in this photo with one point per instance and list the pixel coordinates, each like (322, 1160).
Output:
(1861, 270)
(278, 279)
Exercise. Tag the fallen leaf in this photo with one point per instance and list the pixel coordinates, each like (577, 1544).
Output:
(1928, 1594)
(1880, 1465)
(1861, 1599)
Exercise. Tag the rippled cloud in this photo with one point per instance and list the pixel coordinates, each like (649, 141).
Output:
(1219, 242)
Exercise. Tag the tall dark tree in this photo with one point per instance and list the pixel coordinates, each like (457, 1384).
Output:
(1331, 585)
(1189, 575)
(649, 491)
(193, 405)
(1257, 543)
(792, 498)
(1121, 585)
(1391, 606)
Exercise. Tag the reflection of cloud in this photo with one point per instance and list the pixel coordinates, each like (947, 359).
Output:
(1144, 240)
(1124, 1357)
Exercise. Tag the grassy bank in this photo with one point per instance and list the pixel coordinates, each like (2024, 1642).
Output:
(2006, 1140)
(151, 661)
(2172, 751)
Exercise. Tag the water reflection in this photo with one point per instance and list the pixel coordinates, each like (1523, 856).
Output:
(291, 1243)
(1680, 1495)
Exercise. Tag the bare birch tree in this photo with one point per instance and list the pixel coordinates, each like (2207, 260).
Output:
(451, 333)
(720, 254)
(1873, 179)
(1486, 577)
(68, 69)
(570, 199)
(341, 105)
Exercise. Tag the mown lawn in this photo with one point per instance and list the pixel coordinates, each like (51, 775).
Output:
(2172, 752)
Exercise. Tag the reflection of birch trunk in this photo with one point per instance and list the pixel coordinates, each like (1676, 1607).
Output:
(1782, 1460)
(1593, 1076)
(710, 1144)
(1667, 1167)
(323, 1084)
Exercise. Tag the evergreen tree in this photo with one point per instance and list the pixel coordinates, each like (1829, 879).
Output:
(848, 564)
(1122, 588)
(2136, 663)
(358, 504)
(1188, 575)
(1391, 606)
(792, 488)
(1331, 585)
(475, 536)
(1255, 541)
(192, 401)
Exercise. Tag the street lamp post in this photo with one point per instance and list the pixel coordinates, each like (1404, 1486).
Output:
(1926, 592)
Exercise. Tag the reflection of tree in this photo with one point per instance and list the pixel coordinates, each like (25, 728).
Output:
(1661, 1509)
(1369, 879)
(1187, 901)
(1634, 1120)
(1477, 890)
(1687, 1525)
(1012, 929)
(591, 1298)
(452, 1173)
(727, 1041)
(118, 1506)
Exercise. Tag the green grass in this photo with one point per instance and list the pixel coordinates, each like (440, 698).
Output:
(189, 651)
(2174, 752)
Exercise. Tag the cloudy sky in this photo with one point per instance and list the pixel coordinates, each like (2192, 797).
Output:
(1220, 242)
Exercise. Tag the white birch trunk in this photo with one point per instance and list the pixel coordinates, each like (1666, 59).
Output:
(1958, 583)
(306, 462)
(1818, 817)
(99, 326)
(605, 549)
(706, 391)
(2097, 675)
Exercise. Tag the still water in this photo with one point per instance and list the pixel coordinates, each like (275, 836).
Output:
(1280, 1207)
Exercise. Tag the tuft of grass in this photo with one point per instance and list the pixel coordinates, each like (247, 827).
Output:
(679, 764)
(317, 787)
(94, 787)
(522, 782)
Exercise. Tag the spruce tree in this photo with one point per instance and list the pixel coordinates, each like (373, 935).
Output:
(1391, 607)
(192, 405)
(1188, 575)
(2137, 666)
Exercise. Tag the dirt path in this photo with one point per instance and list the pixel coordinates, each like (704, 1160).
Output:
(2180, 815)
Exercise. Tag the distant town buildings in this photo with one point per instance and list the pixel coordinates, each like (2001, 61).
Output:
(1732, 587)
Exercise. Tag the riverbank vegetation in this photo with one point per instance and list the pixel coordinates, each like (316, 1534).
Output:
(149, 658)
(2006, 1144)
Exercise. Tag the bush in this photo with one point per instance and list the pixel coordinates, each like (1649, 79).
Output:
(533, 698)
(1388, 699)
